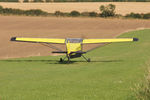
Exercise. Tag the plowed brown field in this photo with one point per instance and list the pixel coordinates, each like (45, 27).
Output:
(52, 27)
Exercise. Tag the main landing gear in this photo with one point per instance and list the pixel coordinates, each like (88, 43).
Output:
(61, 59)
(87, 59)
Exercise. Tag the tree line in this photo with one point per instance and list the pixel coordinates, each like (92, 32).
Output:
(105, 11)
(77, 0)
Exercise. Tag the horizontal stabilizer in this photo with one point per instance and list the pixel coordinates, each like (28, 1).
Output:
(59, 52)
(79, 52)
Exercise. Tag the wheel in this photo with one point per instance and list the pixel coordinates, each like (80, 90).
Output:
(68, 60)
(89, 60)
(61, 60)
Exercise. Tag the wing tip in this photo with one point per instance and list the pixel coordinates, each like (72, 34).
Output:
(13, 39)
(135, 39)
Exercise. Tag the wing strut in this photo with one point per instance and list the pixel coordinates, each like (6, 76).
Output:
(51, 46)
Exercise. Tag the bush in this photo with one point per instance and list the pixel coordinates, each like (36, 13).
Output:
(108, 10)
(58, 13)
(8, 0)
(74, 13)
(93, 14)
(36, 12)
(38, 1)
(26, 1)
(134, 15)
(85, 14)
(146, 16)
(137, 15)
(13, 11)
(1, 9)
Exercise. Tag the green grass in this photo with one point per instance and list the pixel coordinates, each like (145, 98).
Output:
(115, 69)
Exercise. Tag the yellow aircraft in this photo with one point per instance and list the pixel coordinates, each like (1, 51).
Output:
(73, 45)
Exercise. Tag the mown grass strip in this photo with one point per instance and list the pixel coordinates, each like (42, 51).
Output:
(114, 70)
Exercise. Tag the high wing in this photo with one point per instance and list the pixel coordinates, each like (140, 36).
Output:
(109, 40)
(38, 40)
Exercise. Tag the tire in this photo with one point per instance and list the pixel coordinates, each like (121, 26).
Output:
(61, 60)
(89, 60)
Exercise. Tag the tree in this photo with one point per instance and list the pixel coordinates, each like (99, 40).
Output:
(108, 10)
(93, 14)
(58, 13)
(1, 9)
(74, 13)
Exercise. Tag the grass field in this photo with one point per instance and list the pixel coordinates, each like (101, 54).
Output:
(114, 70)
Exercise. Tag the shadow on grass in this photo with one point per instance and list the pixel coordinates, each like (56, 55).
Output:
(28, 60)
(64, 62)
(71, 62)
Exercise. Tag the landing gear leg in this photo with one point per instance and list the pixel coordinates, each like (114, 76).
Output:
(88, 60)
(68, 59)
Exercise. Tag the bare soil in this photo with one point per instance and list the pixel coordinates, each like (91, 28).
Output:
(121, 7)
(52, 27)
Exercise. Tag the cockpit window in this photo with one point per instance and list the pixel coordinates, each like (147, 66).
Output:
(74, 40)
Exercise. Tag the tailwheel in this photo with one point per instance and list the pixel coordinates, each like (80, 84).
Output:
(61, 60)
(89, 60)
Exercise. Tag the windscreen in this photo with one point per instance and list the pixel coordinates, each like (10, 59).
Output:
(74, 40)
